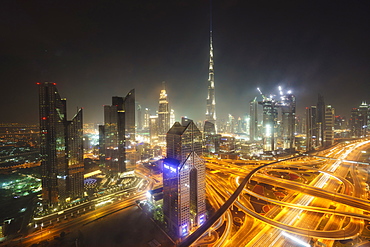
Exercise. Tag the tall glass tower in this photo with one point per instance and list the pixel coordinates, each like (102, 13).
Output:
(163, 116)
(112, 135)
(129, 108)
(211, 101)
(288, 105)
(61, 148)
(253, 127)
(184, 180)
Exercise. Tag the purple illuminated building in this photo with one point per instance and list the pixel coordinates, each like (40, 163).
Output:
(184, 196)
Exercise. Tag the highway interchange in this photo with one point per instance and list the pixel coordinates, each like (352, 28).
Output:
(332, 206)
(329, 203)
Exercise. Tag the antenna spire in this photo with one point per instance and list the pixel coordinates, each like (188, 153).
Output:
(210, 20)
(211, 102)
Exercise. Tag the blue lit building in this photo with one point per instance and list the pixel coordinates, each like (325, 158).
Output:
(184, 196)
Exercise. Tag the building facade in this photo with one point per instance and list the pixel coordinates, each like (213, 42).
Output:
(163, 116)
(253, 127)
(61, 148)
(129, 109)
(288, 107)
(311, 128)
(360, 120)
(329, 126)
(184, 196)
(270, 115)
(319, 125)
(112, 139)
(153, 130)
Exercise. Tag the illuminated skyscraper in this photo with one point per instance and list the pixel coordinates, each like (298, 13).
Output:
(329, 126)
(316, 120)
(153, 129)
(273, 137)
(139, 117)
(210, 138)
(163, 116)
(129, 109)
(118, 132)
(211, 101)
(61, 148)
(146, 119)
(184, 180)
(288, 105)
(320, 120)
(172, 117)
(75, 154)
(231, 125)
(253, 119)
(112, 137)
(270, 115)
(360, 120)
(311, 128)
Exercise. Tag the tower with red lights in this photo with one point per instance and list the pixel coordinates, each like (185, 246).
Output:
(61, 149)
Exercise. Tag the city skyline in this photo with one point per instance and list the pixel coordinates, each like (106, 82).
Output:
(93, 53)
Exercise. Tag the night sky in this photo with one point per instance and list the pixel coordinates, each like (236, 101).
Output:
(94, 50)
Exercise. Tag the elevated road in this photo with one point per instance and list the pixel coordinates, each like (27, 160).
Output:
(202, 229)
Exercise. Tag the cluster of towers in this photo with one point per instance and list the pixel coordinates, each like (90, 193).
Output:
(360, 120)
(61, 148)
(277, 133)
(156, 125)
(319, 125)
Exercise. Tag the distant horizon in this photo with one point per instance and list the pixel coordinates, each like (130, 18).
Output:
(178, 117)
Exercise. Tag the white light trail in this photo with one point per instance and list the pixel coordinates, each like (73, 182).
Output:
(297, 240)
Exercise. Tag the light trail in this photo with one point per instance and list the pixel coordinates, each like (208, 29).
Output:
(305, 200)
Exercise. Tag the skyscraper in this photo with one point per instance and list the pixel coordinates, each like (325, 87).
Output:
(139, 117)
(253, 119)
(270, 115)
(112, 137)
(210, 138)
(184, 180)
(146, 119)
(163, 116)
(360, 120)
(320, 120)
(231, 125)
(129, 108)
(172, 117)
(311, 128)
(288, 105)
(75, 154)
(211, 101)
(329, 126)
(60, 147)
(153, 129)
(319, 125)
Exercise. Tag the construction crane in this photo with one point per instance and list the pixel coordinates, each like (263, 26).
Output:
(263, 96)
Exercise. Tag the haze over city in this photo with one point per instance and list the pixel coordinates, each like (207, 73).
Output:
(95, 50)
